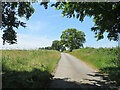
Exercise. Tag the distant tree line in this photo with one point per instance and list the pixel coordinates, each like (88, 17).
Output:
(70, 38)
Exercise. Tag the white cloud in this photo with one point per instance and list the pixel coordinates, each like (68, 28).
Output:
(26, 41)
(108, 45)
(29, 42)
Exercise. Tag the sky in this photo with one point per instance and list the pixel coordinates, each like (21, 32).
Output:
(47, 25)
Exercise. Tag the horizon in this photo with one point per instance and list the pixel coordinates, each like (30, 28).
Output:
(45, 49)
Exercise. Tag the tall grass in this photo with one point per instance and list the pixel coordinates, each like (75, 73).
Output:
(104, 59)
(28, 68)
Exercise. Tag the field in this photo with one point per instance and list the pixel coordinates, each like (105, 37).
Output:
(103, 59)
(28, 68)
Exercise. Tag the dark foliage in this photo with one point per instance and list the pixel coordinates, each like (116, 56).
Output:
(10, 13)
(25, 79)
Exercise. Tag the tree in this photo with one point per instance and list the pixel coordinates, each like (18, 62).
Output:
(106, 16)
(56, 45)
(62, 48)
(48, 48)
(10, 13)
(72, 38)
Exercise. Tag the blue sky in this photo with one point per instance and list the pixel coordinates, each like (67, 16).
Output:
(46, 25)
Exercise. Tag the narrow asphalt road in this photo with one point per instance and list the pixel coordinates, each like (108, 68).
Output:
(74, 73)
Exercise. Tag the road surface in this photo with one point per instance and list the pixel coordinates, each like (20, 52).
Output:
(74, 73)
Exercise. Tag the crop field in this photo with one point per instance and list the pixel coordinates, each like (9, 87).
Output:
(28, 68)
(107, 60)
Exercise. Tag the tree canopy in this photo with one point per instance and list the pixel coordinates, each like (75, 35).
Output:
(106, 16)
(10, 13)
(72, 38)
(56, 45)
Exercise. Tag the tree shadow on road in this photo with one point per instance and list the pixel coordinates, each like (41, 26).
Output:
(43, 79)
(61, 83)
(85, 84)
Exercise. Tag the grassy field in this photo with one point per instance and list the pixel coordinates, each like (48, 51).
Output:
(28, 68)
(104, 59)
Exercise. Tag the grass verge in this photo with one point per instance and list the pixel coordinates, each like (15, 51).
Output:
(104, 59)
(28, 68)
